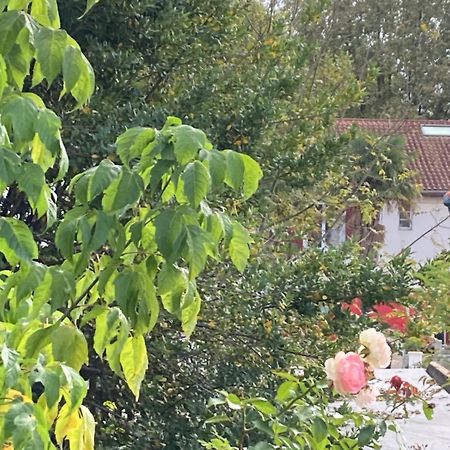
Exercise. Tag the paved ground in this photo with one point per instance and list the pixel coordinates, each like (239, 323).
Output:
(418, 432)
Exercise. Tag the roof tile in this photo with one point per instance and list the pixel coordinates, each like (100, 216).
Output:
(432, 161)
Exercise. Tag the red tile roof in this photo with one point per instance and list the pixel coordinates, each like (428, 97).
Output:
(432, 161)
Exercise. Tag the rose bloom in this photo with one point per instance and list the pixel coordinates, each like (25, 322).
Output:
(379, 351)
(347, 372)
(367, 396)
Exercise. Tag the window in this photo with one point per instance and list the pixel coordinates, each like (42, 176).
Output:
(435, 130)
(405, 217)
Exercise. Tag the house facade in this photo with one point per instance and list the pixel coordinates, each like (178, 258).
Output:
(424, 227)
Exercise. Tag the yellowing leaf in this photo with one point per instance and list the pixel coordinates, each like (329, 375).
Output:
(134, 362)
(67, 424)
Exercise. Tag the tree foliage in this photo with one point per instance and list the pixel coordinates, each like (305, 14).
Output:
(139, 233)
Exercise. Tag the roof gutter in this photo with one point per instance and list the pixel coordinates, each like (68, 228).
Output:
(433, 193)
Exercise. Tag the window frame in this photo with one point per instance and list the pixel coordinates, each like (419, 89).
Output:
(405, 215)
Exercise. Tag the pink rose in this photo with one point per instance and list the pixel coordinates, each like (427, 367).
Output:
(367, 396)
(347, 372)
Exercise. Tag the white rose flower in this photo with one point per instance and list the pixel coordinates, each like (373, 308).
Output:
(367, 396)
(379, 352)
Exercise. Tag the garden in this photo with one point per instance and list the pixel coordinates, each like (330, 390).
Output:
(171, 178)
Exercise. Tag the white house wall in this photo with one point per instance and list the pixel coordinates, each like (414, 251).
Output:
(427, 213)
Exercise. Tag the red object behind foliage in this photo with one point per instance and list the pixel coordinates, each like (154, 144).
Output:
(393, 314)
(355, 307)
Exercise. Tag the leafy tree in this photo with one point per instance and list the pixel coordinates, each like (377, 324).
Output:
(137, 237)
(398, 49)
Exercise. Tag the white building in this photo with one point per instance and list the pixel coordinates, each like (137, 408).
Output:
(425, 226)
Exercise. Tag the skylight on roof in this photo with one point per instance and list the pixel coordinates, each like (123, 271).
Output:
(436, 130)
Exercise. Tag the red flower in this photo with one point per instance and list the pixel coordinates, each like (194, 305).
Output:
(395, 315)
(355, 308)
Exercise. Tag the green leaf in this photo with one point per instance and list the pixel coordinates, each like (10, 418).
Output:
(319, 429)
(31, 276)
(46, 12)
(262, 405)
(200, 246)
(51, 381)
(235, 169)
(134, 362)
(187, 142)
(9, 166)
(62, 288)
(77, 387)
(103, 226)
(132, 143)
(238, 248)
(221, 418)
(427, 410)
(172, 283)
(19, 113)
(38, 340)
(286, 391)
(217, 166)
(189, 314)
(365, 435)
(48, 126)
(160, 169)
(69, 346)
(65, 237)
(101, 177)
(196, 182)
(170, 234)
(32, 181)
(50, 47)
(78, 75)
(89, 4)
(3, 75)
(16, 241)
(123, 192)
(252, 175)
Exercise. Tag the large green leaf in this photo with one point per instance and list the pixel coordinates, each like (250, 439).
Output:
(69, 346)
(50, 47)
(235, 169)
(62, 288)
(78, 75)
(132, 143)
(189, 314)
(32, 182)
(252, 175)
(16, 241)
(46, 12)
(200, 246)
(172, 282)
(217, 166)
(187, 142)
(196, 182)
(66, 231)
(48, 126)
(101, 177)
(123, 192)
(19, 113)
(134, 361)
(9, 166)
(31, 276)
(238, 248)
(170, 234)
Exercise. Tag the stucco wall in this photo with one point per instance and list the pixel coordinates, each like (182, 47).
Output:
(427, 213)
